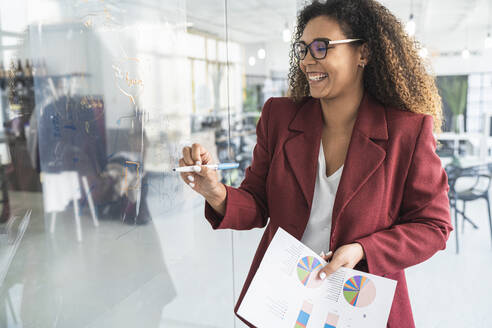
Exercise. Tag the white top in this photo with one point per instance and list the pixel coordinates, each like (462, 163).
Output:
(318, 229)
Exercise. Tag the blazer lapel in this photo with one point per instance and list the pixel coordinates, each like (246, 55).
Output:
(364, 156)
(302, 148)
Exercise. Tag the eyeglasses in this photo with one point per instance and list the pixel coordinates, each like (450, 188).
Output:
(317, 48)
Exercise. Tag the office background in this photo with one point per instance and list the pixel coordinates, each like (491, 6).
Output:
(97, 99)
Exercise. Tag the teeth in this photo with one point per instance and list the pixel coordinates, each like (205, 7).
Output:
(317, 76)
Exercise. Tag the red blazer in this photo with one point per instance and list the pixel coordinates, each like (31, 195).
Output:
(392, 196)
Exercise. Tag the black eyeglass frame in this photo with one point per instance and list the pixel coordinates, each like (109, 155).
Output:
(327, 42)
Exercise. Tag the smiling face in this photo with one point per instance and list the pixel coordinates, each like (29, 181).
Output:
(341, 69)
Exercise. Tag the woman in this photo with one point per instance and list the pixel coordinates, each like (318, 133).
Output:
(347, 162)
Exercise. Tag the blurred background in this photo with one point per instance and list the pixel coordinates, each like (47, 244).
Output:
(97, 99)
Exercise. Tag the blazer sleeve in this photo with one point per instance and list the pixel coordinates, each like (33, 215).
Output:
(424, 222)
(246, 206)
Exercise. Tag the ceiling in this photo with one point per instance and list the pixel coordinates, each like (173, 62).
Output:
(443, 26)
(248, 21)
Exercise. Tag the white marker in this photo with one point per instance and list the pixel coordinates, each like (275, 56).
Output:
(197, 168)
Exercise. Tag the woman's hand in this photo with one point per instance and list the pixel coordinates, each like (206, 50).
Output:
(203, 180)
(347, 256)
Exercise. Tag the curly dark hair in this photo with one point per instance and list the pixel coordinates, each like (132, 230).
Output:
(395, 75)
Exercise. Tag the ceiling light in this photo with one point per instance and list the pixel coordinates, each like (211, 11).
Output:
(261, 53)
(410, 26)
(465, 53)
(488, 41)
(252, 61)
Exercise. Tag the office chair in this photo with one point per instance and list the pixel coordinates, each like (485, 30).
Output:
(479, 189)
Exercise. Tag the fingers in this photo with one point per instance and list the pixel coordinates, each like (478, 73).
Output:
(199, 154)
(203, 171)
(188, 160)
(191, 180)
(196, 155)
(196, 152)
(187, 177)
(202, 176)
(326, 256)
(331, 267)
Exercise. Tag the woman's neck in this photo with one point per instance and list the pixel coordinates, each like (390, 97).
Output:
(339, 113)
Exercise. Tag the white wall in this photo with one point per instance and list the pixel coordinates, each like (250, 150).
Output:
(459, 66)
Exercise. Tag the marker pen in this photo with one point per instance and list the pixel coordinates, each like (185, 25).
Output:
(197, 168)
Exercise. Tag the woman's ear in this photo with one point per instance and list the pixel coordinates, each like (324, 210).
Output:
(365, 53)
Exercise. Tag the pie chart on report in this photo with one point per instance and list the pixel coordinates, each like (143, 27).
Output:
(307, 269)
(359, 291)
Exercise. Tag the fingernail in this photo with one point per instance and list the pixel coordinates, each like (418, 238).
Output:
(322, 254)
(191, 178)
(322, 275)
(329, 253)
(192, 185)
(198, 163)
(197, 168)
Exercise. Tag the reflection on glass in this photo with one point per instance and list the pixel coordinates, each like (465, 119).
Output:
(98, 97)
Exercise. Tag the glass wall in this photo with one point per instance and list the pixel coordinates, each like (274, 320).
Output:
(98, 97)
